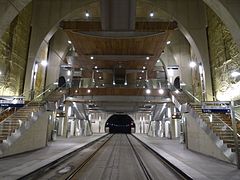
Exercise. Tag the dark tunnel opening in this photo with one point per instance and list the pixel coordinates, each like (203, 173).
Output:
(120, 124)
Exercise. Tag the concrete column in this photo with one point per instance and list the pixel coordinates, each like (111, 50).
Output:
(65, 123)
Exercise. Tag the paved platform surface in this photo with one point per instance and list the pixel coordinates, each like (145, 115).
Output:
(16, 166)
(197, 165)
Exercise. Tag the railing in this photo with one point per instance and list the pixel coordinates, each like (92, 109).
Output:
(8, 124)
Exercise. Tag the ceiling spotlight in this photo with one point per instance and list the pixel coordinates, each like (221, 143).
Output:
(142, 71)
(87, 14)
(95, 67)
(76, 91)
(168, 42)
(114, 83)
(140, 77)
(144, 67)
(91, 57)
(151, 14)
(235, 74)
(89, 90)
(100, 77)
(147, 58)
(148, 91)
(125, 83)
(192, 64)
(44, 63)
(69, 42)
(160, 91)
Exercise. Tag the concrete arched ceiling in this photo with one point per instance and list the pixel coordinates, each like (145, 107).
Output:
(225, 9)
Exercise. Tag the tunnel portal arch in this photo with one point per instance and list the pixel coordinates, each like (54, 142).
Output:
(120, 124)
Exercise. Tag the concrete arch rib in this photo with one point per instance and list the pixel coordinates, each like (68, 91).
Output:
(45, 23)
(9, 9)
(191, 18)
(229, 12)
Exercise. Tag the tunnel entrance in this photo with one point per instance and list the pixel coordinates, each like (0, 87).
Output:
(120, 124)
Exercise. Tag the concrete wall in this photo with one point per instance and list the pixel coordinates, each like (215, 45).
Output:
(200, 142)
(34, 138)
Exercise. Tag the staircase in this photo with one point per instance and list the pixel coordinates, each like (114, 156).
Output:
(219, 125)
(23, 117)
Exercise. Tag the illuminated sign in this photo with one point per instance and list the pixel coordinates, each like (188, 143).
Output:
(216, 107)
(11, 101)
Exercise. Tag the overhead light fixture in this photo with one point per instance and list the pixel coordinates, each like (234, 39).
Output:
(144, 67)
(87, 14)
(69, 42)
(100, 77)
(148, 91)
(142, 71)
(151, 14)
(114, 83)
(147, 58)
(125, 83)
(89, 90)
(76, 91)
(140, 77)
(168, 42)
(44, 63)
(192, 64)
(158, 60)
(103, 84)
(96, 86)
(91, 57)
(95, 67)
(161, 91)
(235, 74)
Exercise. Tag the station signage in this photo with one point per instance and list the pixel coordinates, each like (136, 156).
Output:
(216, 107)
(11, 101)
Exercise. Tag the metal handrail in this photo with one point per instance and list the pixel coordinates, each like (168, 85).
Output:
(191, 95)
(47, 90)
(9, 108)
(237, 116)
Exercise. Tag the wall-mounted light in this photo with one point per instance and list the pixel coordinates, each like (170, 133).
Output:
(125, 83)
(76, 91)
(100, 77)
(140, 77)
(44, 63)
(87, 14)
(69, 42)
(69, 73)
(144, 67)
(168, 42)
(151, 14)
(95, 67)
(89, 90)
(158, 60)
(92, 57)
(147, 58)
(192, 64)
(148, 91)
(235, 74)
